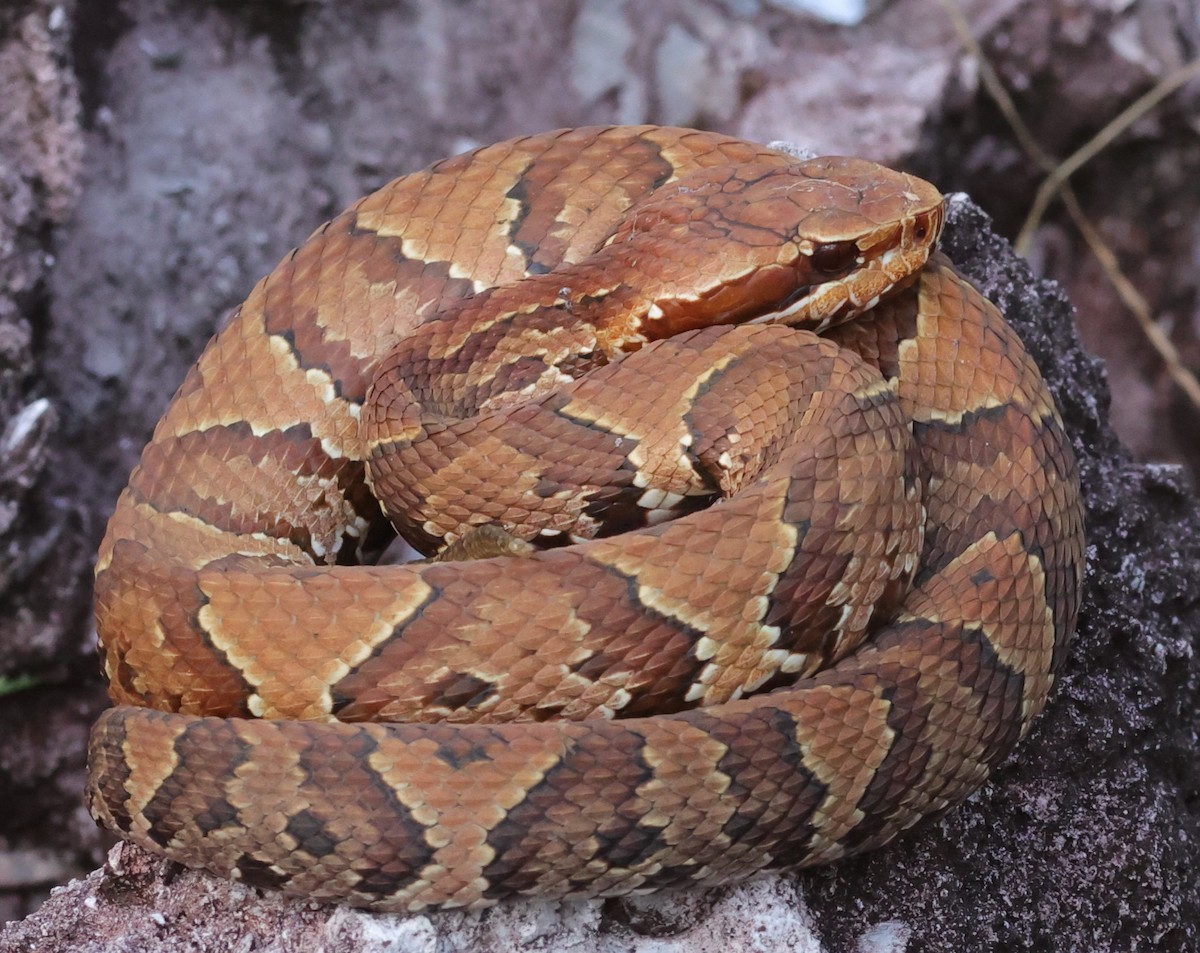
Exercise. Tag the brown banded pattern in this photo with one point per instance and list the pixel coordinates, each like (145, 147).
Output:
(786, 595)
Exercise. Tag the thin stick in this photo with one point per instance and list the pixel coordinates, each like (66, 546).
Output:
(996, 88)
(1134, 302)
(1133, 112)
(1057, 182)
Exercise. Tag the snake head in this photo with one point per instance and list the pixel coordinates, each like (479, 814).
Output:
(858, 231)
(804, 242)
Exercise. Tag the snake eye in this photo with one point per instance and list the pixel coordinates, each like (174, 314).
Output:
(832, 257)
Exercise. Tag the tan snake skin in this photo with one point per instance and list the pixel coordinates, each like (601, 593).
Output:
(764, 599)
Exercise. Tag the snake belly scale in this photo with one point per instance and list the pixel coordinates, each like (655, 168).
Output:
(781, 549)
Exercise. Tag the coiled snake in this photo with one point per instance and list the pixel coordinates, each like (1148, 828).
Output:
(743, 597)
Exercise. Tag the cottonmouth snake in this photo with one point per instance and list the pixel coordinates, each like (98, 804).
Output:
(417, 736)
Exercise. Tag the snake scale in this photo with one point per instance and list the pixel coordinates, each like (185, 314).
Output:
(712, 593)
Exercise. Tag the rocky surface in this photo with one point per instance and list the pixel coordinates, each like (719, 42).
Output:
(157, 156)
(47, 690)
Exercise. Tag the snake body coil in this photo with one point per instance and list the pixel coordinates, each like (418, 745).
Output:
(760, 598)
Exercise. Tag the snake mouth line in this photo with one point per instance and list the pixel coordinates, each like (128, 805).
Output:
(909, 244)
(821, 306)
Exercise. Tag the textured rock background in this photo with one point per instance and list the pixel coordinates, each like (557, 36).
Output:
(158, 156)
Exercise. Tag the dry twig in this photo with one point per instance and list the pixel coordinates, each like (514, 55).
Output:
(1057, 183)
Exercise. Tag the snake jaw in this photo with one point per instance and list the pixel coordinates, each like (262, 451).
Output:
(825, 305)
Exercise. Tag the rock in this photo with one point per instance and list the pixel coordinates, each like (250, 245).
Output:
(44, 543)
